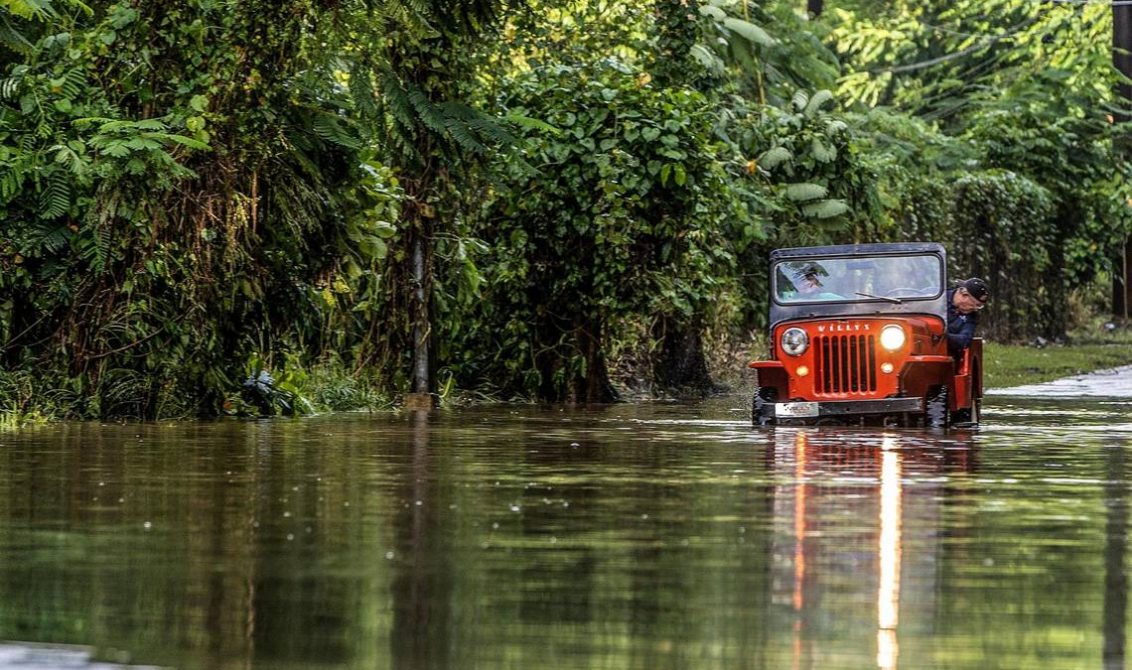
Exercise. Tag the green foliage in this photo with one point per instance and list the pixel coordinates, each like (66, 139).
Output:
(764, 52)
(1070, 152)
(939, 58)
(430, 134)
(181, 185)
(1004, 230)
(814, 188)
(1025, 87)
(186, 188)
(632, 185)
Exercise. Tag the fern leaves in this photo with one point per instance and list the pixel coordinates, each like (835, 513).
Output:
(361, 90)
(814, 205)
(822, 151)
(334, 129)
(456, 127)
(94, 247)
(10, 85)
(12, 180)
(55, 199)
(140, 143)
(39, 10)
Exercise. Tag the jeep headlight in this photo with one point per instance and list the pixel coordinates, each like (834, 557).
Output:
(892, 337)
(795, 341)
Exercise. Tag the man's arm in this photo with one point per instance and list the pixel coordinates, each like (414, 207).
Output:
(961, 339)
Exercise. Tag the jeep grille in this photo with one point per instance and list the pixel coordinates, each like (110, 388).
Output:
(845, 363)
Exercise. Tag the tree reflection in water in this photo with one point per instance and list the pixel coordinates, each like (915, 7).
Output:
(421, 590)
(1116, 543)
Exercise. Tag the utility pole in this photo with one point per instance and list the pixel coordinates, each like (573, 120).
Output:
(1122, 61)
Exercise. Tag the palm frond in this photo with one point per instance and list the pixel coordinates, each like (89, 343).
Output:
(800, 100)
(461, 133)
(817, 100)
(825, 209)
(822, 151)
(749, 31)
(10, 87)
(361, 90)
(336, 130)
(427, 112)
(803, 192)
(47, 236)
(12, 180)
(775, 156)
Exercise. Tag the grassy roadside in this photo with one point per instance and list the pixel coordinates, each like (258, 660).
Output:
(1014, 365)
(1087, 350)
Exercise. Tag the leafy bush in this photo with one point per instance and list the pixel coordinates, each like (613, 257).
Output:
(622, 209)
(1004, 226)
(181, 188)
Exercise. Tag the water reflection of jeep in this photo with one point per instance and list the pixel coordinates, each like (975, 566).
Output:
(858, 334)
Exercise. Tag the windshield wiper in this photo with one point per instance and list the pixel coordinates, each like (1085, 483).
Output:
(898, 301)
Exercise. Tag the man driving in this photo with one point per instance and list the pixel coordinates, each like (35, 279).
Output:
(963, 305)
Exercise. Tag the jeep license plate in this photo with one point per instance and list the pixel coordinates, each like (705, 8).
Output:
(796, 409)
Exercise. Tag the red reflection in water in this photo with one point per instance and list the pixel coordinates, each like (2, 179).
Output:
(830, 474)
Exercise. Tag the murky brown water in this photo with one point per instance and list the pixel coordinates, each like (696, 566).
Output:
(646, 536)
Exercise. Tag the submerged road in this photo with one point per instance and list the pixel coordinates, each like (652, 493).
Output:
(658, 535)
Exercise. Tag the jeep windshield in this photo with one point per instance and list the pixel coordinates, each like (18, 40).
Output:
(894, 279)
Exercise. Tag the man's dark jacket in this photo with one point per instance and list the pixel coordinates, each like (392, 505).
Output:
(960, 327)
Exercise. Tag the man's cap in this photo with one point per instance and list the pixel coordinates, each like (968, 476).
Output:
(977, 288)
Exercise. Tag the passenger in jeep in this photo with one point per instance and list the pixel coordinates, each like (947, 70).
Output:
(809, 286)
(963, 305)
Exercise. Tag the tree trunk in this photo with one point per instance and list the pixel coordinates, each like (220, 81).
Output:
(681, 363)
(1121, 286)
(419, 311)
(1122, 61)
(592, 387)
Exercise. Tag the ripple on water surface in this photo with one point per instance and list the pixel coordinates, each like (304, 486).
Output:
(657, 535)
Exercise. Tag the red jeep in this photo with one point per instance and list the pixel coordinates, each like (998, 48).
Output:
(858, 335)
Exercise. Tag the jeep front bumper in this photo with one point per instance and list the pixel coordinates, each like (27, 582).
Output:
(840, 408)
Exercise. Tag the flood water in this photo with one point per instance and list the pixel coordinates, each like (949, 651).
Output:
(636, 536)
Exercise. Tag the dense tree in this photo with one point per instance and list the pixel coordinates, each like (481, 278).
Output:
(617, 215)
(1029, 87)
(432, 136)
(406, 195)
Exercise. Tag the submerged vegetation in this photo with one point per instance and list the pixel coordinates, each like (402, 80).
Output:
(207, 212)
